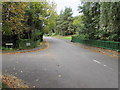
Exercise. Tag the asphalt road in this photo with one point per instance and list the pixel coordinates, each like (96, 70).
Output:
(63, 65)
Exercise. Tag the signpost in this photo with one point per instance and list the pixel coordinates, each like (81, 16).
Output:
(27, 44)
(9, 45)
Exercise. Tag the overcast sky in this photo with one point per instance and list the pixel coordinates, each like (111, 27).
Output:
(61, 4)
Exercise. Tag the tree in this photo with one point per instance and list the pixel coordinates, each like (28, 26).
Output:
(51, 19)
(41, 17)
(90, 19)
(27, 20)
(78, 24)
(109, 21)
(13, 18)
(65, 22)
(100, 20)
(13, 21)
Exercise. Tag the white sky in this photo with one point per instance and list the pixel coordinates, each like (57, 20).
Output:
(61, 4)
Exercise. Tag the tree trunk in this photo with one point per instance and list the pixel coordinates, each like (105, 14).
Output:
(41, 37)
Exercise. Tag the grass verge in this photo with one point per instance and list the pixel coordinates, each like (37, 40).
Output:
(3, 85)
(67, 38)
(63, 37)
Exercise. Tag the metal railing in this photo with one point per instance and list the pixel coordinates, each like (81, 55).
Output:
(98, 43)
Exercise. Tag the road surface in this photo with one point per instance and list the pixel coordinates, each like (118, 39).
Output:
(63, 65)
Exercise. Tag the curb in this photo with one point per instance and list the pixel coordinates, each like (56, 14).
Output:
(102, 51)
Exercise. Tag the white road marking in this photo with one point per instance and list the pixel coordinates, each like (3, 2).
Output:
(107, 66)
(97, 61)
(111, 68)
(102, 64)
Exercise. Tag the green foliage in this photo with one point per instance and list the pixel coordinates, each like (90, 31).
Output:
(65, 22)
(67, 38)
(13, 18)
(98, 43)
(28, 20)
(78, 23)
(22, 43)
(90, 19)
(54, 34)
(100, 21)
(4, 86)
(51, 19)
(109, 21)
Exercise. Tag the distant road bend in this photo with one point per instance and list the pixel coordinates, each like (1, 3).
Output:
(63, 65)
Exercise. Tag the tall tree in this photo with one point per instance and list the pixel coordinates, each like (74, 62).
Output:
(51, 19)
(41, 17)
(65, 22)
(78, 24)
(27, 20)
(13, 18)
(109, 21)
(90, 19)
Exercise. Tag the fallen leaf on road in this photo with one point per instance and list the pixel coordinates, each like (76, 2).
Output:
(59, 76)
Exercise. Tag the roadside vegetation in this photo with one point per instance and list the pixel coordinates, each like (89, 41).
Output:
(63, 37)
(25, 26)
(24, 23)
(3, 85)
(98, 21)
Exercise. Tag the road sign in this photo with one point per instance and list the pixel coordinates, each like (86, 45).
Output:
(9, 44)
(27, 44)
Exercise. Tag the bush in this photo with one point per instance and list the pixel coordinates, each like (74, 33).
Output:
(22, 43)
(4, 48)
(54, 34)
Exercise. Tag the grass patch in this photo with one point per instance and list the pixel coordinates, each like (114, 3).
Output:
(67, 38)
(8, 49)
(63, 37)
(3, 85)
